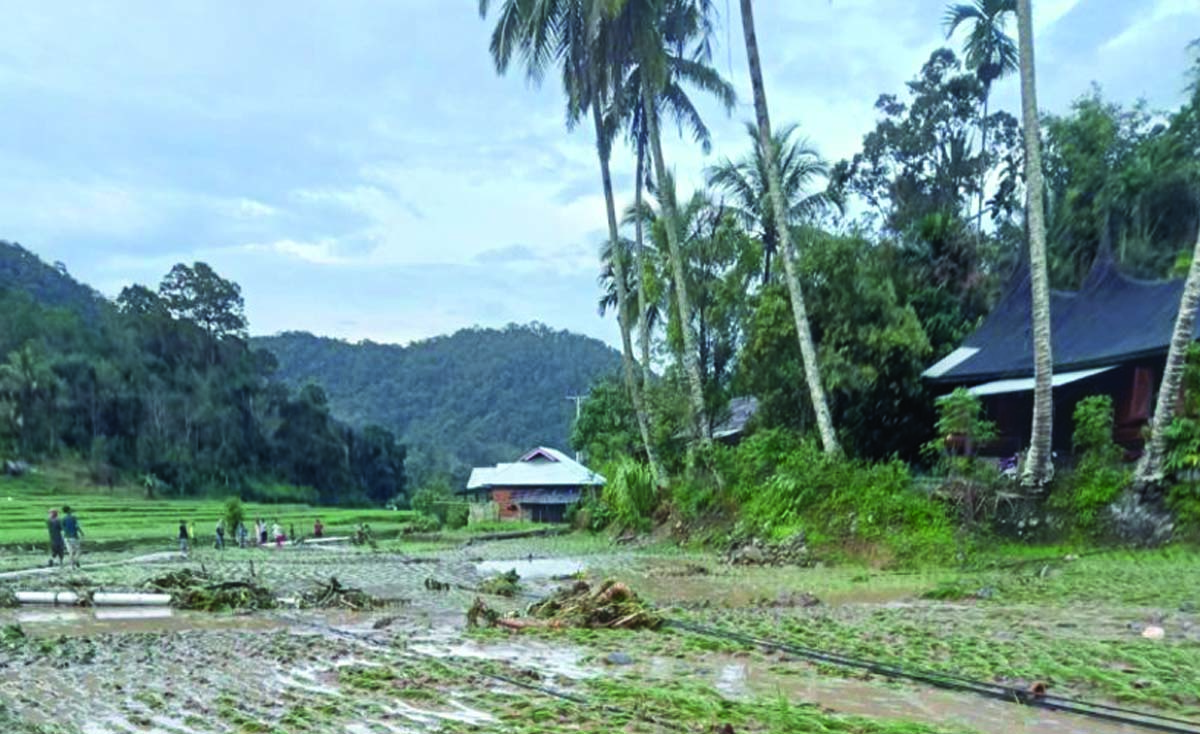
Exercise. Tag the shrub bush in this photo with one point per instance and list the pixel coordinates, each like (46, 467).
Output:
(233, 514)
(425, 524)
(1082, 495)
(428, 499)
(838, 503)
(457, 514)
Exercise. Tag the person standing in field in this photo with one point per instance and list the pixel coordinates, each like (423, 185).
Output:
(241, 534)
(318, 529)
(183, 538)
(57, 547)
(277, 531)
(262, 532)
(73, 535)
(220, 535)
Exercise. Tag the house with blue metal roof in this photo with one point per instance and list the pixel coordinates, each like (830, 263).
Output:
(539, 487)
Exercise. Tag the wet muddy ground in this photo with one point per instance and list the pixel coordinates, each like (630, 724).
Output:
(412, 666)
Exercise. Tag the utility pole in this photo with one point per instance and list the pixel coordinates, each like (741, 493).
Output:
(578, 400)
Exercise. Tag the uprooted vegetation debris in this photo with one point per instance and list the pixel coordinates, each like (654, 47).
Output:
(196, 590)
(504, 584)
(333, 595)
(611, 606)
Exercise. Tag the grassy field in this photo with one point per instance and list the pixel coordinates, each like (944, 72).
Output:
(122, 515)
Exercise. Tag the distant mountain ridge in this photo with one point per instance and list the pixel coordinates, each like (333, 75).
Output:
(472, 398)
(48, 285)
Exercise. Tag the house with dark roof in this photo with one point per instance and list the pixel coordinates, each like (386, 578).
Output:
(736, 419)
(540, 486)
(1108, 338)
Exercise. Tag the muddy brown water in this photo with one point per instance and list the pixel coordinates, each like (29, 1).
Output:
(70, 622)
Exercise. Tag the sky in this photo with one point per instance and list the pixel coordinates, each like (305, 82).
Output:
(363, 172)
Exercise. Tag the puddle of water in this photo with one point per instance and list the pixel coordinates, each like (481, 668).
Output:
(547, 659)
(90, 622)
(460, 714)
(536, 568)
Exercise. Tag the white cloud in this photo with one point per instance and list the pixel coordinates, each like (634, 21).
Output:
(1147, 25)
(318, 253)
(369, 152)
(1048, 12)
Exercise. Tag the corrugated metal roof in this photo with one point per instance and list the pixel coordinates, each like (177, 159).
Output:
(540, 468)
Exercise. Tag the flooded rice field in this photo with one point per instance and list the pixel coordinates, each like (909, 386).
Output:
(412, 665)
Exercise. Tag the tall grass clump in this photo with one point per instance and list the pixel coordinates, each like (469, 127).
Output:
(630, 493)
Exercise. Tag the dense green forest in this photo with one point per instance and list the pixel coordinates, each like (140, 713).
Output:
(472, 398)
(162, 385)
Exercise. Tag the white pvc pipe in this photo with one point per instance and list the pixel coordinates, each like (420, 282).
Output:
(115, 599)
(100, 598)
(48, 597)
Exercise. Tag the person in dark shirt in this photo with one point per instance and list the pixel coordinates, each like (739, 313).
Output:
(73, 535)
(318, 529)
(57, 546)
(184, 545)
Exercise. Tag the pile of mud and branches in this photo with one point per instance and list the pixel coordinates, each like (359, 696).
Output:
(611, 606)
(197, 590)
(332, 595)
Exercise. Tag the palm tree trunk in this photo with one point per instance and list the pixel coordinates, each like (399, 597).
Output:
(808, 350)
(983, 126)
(1037, 464)
(1149, 468)
(635, 394)
(691, 361)
(643, 280)
(768, 248)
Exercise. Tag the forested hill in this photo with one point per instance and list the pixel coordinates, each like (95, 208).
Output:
(47, 285)
(161, 386)
(475, 397)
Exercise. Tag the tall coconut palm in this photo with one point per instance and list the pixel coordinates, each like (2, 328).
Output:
(808, 349)
(990, 52)
(628, 110)
(1149, 468)
(719, 272)
(570, 34)
(650, 31)
(745, 183)
(1038, 467)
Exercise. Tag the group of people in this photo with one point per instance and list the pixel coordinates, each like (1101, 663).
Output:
(263, 534)
(66, 537)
